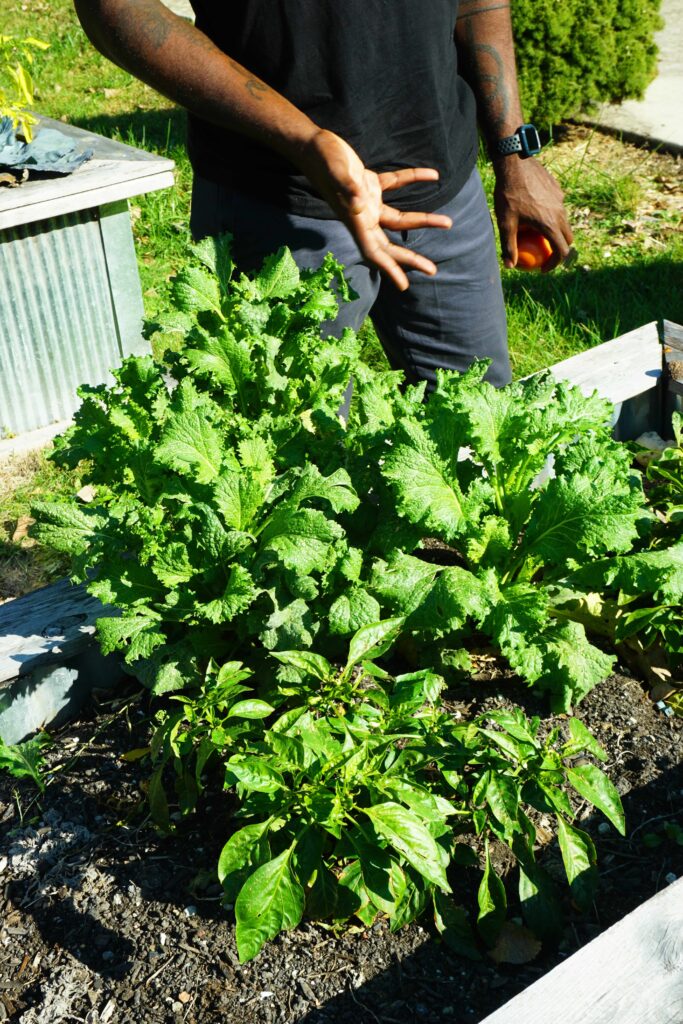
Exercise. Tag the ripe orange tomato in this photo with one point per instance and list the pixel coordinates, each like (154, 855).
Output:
(533, 249)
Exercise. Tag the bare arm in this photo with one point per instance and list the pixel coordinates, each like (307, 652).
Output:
(525, 191)
(178, 60)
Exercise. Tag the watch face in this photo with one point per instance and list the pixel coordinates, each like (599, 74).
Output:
(530, 140)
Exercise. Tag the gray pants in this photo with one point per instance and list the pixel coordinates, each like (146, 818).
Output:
(445, 321)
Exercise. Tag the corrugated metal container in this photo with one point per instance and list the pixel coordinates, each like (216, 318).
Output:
(58, 317)
(70, 299)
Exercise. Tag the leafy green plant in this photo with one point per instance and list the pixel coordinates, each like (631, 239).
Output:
(665, 472)
(261, 555)
(637, 597)
(213, 527)
(236, 512)
(25, 760)
(514, 523)
(357, 792)
(16, 84)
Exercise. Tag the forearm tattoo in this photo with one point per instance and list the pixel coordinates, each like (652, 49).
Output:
(254, 86)
(149, 21)
(153, 25)
(487, 69)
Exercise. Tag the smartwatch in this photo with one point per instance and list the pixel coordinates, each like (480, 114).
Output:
(526, 142)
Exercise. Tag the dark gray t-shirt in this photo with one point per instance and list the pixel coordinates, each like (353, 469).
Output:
(382, 74)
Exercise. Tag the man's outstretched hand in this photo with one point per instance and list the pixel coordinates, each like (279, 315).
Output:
(526, 193)
(356, 196)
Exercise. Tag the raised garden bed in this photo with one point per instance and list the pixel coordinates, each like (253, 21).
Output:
(102, 915)
(192, 528)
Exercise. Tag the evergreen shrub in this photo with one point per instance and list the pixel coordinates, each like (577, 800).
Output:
(578, 52)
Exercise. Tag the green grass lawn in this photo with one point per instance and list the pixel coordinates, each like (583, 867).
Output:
(623, 205)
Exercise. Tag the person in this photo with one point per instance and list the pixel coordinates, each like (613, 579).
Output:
(352, 128)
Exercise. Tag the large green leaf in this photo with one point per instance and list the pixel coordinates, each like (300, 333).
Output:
(238, 594)
(67, 527)
(254, 774)
(222, 358)
(372, 641)
(577, 514)
(194, 290)
(335, 489)
(270, 901)
(302, 539)
(402, 582)
(278, 276)
(425, 493)
(502, 796)
(592, 784)
(139, 634)
(659, 573)
(189, 442)
(578, 855)
(353, 610)
(239, 849)
(239, 495)
(404, 831)
(306, 662)
(492, 903)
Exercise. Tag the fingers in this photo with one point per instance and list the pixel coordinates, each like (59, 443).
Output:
(390, 180)
(507, 228)
(560, 236)
(401, 220)
(390, 259)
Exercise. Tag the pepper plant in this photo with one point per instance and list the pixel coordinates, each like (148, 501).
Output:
(359, 795)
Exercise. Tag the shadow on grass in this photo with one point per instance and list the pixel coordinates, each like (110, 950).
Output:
(160, 131)
(601, 303)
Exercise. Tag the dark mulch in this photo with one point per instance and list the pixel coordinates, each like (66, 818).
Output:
(104, 920)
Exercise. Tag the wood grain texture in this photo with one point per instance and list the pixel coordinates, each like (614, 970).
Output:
(48, 626)
(672, 336)
(631, 974)
(115, 172)
(620, 369)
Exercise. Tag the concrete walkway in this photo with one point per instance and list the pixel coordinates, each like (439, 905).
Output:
(658, 118)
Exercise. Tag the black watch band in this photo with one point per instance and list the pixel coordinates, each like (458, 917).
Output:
(526, 142)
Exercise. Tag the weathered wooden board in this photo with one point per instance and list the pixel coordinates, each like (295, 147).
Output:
(672, 338)
(631, 974)
(115, 172)
(49, 661)
(48, 626)
(619, 369)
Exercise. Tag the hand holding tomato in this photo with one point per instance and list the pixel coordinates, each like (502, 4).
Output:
(526, 195)
(533, 249)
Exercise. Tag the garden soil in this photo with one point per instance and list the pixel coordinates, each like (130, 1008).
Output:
(104, 920)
